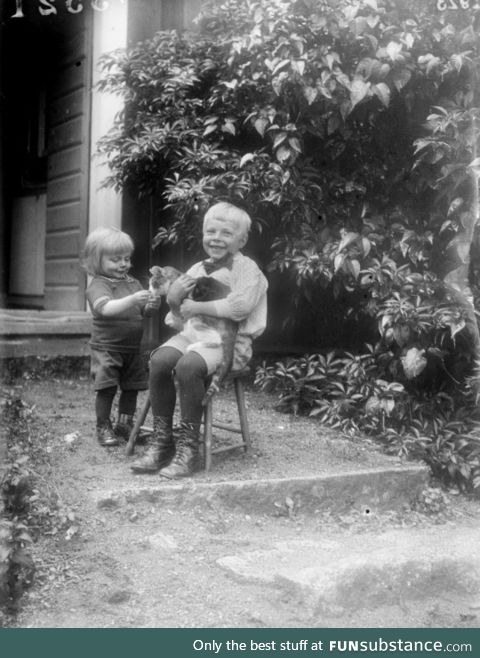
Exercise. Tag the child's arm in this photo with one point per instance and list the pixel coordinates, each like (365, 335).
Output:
(179, 289)
(116, 306)
(189, 308)
(177, 292)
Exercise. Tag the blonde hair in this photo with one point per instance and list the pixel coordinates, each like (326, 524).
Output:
(227, 211)
(104, 241)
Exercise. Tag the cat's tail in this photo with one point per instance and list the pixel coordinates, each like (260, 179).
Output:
(212, 390)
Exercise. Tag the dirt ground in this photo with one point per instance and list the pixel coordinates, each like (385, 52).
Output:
(146, 565)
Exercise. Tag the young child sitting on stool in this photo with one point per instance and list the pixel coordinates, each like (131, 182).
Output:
(225, 232)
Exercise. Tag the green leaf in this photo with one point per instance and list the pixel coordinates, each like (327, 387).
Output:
(467, 220)
(283, 154)
(359, 25)
(260, 125)
(401, 78)
(282, 64)
(347, 240)
(229, 127)
(454, 206)
(409, 40)
(210, 129)
(248, 157)
(463, 251)
(333, 123)
(295, 144)
(279, 139)
(456, 327)
(382, 91)
(366, 246)
(298, 65)
(393, 50)
(358, 91)
(4, 553)
(475, 166)
(331, 59)
(353, 266)
(365, 67)
(310, 94)
(433, 63)
(338, 262)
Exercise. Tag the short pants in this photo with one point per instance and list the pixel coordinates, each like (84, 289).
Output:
(211, 355)
(122, 369)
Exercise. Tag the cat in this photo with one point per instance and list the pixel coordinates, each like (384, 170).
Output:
(161, 278)
(202, 330)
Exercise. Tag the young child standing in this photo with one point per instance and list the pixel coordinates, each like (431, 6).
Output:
(225, 232)
(117, 301)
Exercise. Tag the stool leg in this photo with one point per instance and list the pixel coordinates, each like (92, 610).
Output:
(242, 413)
(207, 435)
(136, 428)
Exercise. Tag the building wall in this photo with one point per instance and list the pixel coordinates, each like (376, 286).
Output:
(68, 147)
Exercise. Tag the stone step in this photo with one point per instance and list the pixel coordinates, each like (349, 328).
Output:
(370, 491)
(333, 576)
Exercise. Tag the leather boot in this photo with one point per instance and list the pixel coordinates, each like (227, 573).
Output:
(160, 450)
(186, 455)
(123, 427)
(105, 435)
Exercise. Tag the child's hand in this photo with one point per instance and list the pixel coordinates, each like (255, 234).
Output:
(179, 289)
(154, 302)
(189, 308)
(140, 297)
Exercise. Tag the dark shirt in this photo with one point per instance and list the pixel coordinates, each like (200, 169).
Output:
(123, 332)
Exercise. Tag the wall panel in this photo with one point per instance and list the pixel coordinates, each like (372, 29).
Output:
(68, 146)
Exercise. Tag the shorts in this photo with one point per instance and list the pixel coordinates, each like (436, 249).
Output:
(211, 355)
(122, 369)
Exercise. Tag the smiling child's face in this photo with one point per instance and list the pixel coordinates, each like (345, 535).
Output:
(115, 266)
(222, 237)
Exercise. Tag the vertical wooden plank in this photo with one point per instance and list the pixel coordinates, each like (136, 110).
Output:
(68, 143)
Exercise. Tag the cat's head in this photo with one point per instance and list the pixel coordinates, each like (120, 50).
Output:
(161, 279)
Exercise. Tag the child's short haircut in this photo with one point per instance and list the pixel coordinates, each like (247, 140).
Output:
(104, 241)
(225, 210)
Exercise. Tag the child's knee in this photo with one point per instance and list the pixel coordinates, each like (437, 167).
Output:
(163, 359)
(190, 366)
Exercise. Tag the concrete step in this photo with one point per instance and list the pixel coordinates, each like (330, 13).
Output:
(370, 491)
(333, 576)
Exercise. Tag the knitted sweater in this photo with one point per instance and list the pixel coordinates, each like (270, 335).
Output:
(123, 332)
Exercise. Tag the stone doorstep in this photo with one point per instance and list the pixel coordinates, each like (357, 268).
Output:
(44, 334)
(335, 575)
(370, 491)
(17, 323)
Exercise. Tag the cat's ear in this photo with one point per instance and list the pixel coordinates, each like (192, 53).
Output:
(155, 270)
(171, 272)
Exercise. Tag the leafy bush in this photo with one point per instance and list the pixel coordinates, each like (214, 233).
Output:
(315, 114)
(356, 395)
(348, 129)
(30, 506)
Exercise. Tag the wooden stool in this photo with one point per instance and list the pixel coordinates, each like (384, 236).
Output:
(237, 377)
